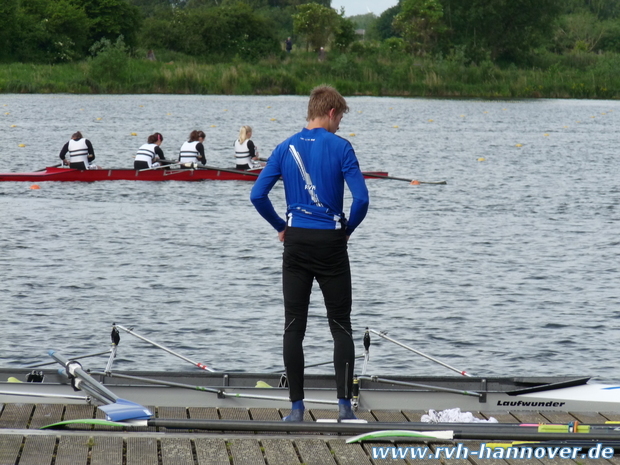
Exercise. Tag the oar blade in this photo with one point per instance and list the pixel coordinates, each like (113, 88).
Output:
(123, 410)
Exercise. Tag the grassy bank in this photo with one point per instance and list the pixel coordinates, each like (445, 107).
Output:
(587, 76)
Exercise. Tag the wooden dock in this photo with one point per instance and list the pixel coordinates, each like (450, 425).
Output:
(22, 442)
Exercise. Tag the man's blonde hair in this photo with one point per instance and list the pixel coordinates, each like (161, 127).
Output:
(322, 100)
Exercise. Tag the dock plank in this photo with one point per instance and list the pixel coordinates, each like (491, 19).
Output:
(10, 447)
(79, 412)
(46, 414)
(280, 452)
(172, 413)
(176, 451)
(389, 416)
(73, 450)
(314, 452)
(246, 452)
(38, 450)
(590, 418)
(529, 417)
(348, 454)
(16, 416)
(107, 450)
(211, 451)
(142, 451)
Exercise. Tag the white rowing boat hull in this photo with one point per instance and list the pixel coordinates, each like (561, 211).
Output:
(237, 390)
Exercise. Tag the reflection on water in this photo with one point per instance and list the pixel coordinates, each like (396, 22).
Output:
(509, 269)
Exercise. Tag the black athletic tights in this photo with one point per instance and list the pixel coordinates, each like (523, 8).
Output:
(322, 255)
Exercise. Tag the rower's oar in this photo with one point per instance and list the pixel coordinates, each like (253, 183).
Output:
(410, 181)
(380, 334)
(230, 170)
(182, 165)
(117, 409)
(43, 169)
(220, 392)
(198, 364)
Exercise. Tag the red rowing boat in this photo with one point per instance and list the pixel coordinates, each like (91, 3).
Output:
(199, 174)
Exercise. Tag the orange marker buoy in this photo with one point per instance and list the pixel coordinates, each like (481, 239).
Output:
(35, 186)
(415, 183)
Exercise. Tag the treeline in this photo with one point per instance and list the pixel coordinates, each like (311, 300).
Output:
(503, 31)
(473, 48)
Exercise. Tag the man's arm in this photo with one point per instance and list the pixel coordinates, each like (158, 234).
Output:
(260, 195)
(357, 185)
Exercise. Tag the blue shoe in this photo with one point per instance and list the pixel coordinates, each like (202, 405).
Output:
(345, 412)
(297, 415)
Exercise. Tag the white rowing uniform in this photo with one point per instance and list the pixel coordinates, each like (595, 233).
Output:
(242, 153)
(78, 151)
(147, 153)
(189, 153)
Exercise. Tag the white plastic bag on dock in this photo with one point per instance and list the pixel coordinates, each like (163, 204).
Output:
(453, 415)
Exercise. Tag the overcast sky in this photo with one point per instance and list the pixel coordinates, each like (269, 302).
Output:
(361, 7)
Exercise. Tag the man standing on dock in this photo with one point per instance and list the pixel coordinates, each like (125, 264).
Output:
(314, 165)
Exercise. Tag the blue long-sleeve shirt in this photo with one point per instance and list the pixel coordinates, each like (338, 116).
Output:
(314, 165)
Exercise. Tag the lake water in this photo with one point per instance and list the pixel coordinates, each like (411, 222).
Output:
(512, 268)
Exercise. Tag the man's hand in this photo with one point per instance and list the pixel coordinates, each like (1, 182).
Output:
(281, 235)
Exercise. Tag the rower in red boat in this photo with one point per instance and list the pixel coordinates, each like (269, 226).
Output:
(193, 151)
(81, 152)
(246, 153)
(149, 154)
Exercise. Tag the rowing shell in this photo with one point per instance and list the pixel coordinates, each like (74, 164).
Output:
(201, 174)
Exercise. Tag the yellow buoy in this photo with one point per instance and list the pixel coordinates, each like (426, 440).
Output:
(395, 126)
(134, 133)
(546, 135)
(7, 113)
(430, 120)
(462, 116)
(99, 119)
(13, 125)
(352, 134)
(141, 106)
(519, 145)
(168, 114)
(482, 159)
(213, 126)
(22, 145)
(268, 106)
(272, 119)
